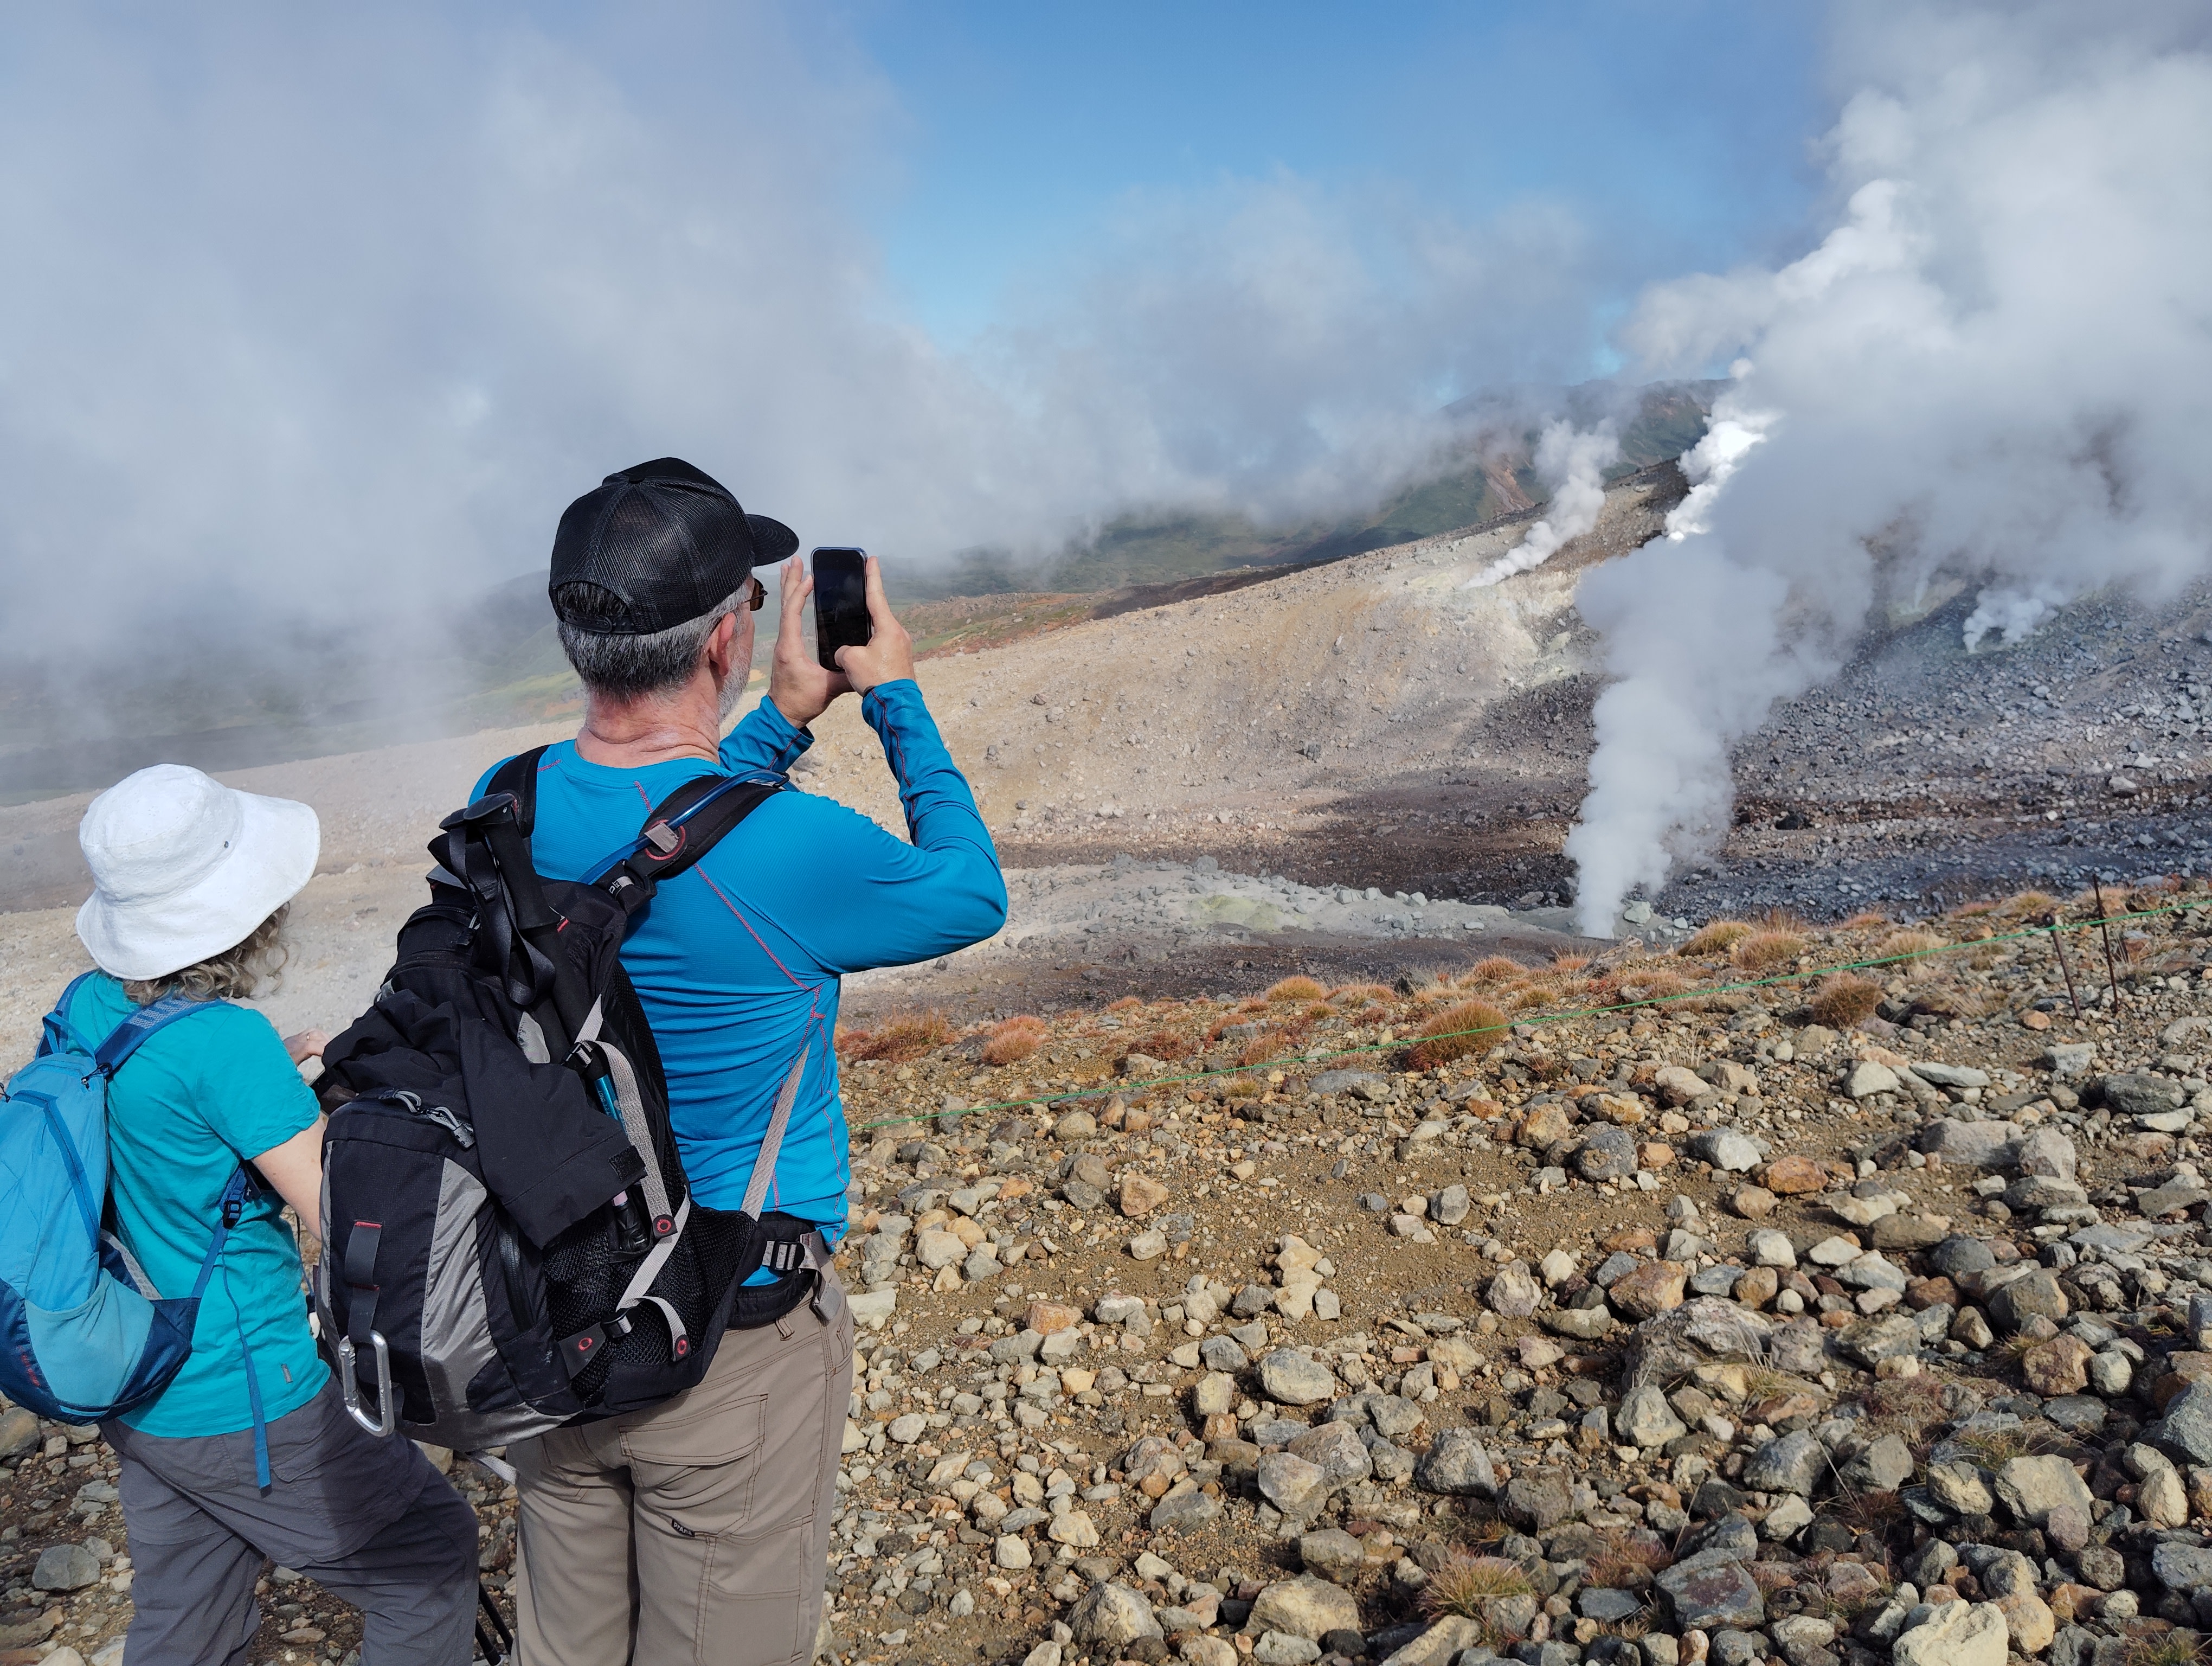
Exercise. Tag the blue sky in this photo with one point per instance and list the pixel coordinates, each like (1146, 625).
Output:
(1681, 130)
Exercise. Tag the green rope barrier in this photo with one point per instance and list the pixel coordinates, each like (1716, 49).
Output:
(2031, 934)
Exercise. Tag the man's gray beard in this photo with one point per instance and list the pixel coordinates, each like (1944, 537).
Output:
(733, 690)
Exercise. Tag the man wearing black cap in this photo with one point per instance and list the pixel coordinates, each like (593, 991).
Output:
(698, 1531)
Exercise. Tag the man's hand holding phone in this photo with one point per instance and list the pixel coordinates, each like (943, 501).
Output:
(800, 686)
(888, 655)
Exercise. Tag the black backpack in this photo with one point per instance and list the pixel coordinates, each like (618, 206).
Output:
(509, 1240)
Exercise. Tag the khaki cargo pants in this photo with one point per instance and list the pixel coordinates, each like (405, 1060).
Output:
(698, 1531)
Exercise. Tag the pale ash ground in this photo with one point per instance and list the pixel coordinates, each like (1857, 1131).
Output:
(1183, 716)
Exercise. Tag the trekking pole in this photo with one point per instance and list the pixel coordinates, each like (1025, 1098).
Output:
(495, 1637)
(2058, 948)
(2105, 930)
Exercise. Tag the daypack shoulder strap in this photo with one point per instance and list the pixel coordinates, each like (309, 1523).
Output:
(678, 832)
(242, 1189)
(131, 1034)
(57, 1033)
(518, 775)
(485, 847)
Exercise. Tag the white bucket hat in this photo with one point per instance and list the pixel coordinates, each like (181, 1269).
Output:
(184, 867)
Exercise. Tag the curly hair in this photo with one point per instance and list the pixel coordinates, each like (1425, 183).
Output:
(233, 975)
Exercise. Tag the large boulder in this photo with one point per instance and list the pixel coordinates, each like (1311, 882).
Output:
(2037, 1295)
(1665, 1349)
(2187, 1428)
(1332, 1555)
(2140, 1094)
(1609, 1153)
(2032, 1487)
(1883, 1466)
(1646, 1419)
(1335, 1449)
(1296, 1380)
(1303, 1607)
(65, 1567)
(1726, 1150)
(1111, 1616)
(1293, 1485)
(2046, 1151)
(1788, 1463)
(1652, 1288)
(1955, 1635)
(1977, 1145)
(1514, 1294)
(1538, 1502)
(1457, 1462)
(1717, 1594)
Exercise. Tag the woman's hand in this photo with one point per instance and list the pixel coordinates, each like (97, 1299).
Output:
(306, 1045)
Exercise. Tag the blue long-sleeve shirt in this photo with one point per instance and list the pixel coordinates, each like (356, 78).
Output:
(738, 960)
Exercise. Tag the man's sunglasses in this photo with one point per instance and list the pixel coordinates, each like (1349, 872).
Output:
(760, 593)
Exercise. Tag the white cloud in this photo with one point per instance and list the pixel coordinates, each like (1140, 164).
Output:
(332, 310)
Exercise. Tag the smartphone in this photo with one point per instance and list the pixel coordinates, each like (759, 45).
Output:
(841, 603)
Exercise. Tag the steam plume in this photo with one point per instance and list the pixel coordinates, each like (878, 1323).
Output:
(1571, 462)
(1998, 364)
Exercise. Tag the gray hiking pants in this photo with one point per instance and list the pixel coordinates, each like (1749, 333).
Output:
(698, 1532)
(367, 1519)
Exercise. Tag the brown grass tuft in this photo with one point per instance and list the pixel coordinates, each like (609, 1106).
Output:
(1267, 1046)
(1169, 1044)
(2027, 905)
(1652, 984)
(1866, 920)
(1845, 999)
(1466, 1030)
(1570, 962)
(1718, 938)
(903, 1036)
(1357, 993)
(1492, 969)
(1464, 1585)
(2172, 1648)
(1126, 1004)
(1629, 1560)
(1763, 949)
(1014, 1040)
(1295, 988)
(1911, 942)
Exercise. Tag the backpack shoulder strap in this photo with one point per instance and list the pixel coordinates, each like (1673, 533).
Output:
(679, 830)
(518, 775)
(129, 1036)
(57, 1034)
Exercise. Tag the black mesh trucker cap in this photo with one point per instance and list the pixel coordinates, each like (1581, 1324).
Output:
(662, 543)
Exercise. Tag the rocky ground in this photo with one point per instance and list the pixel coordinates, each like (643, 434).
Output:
(1737, 1328)
(1208, 1329)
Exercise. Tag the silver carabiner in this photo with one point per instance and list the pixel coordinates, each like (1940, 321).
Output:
(387, 1418)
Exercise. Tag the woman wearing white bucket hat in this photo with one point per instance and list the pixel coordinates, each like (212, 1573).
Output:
(192, 881)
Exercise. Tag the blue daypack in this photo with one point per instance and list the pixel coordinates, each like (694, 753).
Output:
(83, 1333)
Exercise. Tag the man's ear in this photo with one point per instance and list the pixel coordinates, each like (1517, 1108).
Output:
(720, 642)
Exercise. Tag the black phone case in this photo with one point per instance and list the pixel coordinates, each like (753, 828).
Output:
(826, 642)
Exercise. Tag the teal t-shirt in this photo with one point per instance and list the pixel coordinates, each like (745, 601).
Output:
(200, 1097)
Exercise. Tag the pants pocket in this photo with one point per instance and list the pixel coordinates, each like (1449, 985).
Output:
(752, 1588)
(696, 1476)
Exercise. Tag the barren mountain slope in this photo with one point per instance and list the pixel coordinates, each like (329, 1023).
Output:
(1299, 721)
